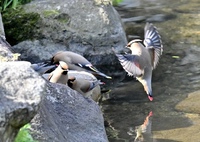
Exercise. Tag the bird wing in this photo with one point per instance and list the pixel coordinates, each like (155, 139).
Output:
(152, 41)
(131, 64)
(50, 75)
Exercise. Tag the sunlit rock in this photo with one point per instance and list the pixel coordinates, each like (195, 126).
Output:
(65, 115)
(88, 27)
(21, 91)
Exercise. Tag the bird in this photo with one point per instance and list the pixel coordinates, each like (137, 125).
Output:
(76, 62)
(85, 87)
(143, 58)
(42, 67)
(59, 75)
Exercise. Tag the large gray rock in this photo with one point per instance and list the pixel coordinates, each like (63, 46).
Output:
(88, 27)
(5, 51)
(66, 116)
(21, 91)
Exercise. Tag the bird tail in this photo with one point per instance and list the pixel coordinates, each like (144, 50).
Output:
(98, 72)
(95, 83)
(42, 67)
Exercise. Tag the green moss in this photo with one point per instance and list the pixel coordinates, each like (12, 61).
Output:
(19, 25)
(24, 134)
(49, 13)
(116, 2)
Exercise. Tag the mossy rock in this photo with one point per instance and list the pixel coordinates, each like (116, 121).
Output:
(20, 26)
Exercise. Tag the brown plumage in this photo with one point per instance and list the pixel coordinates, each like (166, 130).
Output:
(143, 59)
(85, 87)
(76, 62)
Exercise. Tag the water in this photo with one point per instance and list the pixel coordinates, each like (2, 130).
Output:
(176, 80)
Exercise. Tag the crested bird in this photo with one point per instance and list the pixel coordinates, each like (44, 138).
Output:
(59, 75)
(144, 58)
(76, 62)
(85, 87)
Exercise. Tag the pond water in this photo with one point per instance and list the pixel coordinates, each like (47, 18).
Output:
(176, 81)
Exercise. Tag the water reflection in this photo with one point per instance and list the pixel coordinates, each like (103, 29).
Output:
(143, 132)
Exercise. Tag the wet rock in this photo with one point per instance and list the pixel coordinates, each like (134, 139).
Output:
(190, 104)
(66, 115)
(88, 27)
(135, 19)
(21, 90)
(160, 17)
(192, 55)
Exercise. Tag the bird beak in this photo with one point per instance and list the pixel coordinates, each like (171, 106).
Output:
(150, 97)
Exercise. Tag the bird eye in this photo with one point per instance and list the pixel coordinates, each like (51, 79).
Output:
(64, 72)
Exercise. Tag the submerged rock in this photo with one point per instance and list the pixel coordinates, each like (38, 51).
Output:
(190, 104)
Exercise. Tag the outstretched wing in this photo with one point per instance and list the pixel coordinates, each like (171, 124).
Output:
(152, 40)
(130, 63)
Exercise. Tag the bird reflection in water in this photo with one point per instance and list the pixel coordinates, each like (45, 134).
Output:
(143, 132)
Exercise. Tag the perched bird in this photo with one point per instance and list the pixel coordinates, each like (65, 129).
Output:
(85, 87)
(143, 59)
(59, 75)
(76, 62)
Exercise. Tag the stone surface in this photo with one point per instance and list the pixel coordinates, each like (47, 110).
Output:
(21, 91)
(66, 115)
(88, 27)
(190, 104)
(5, 51)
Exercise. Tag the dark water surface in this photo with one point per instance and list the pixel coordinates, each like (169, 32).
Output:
(176, 80)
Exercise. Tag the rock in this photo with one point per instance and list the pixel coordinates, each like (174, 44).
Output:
(190, 104)
(160, 17)
(5, 51)
(66, 115)
(88, 27)
(2, 33)
(21, 91)
(135, 19)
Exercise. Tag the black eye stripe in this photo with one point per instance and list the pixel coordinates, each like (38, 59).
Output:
(64, 72)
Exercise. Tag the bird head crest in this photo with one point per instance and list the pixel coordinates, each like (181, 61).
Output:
(133, 41)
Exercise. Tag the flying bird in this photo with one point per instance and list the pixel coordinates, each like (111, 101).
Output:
(76, 62)
(144, 58)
